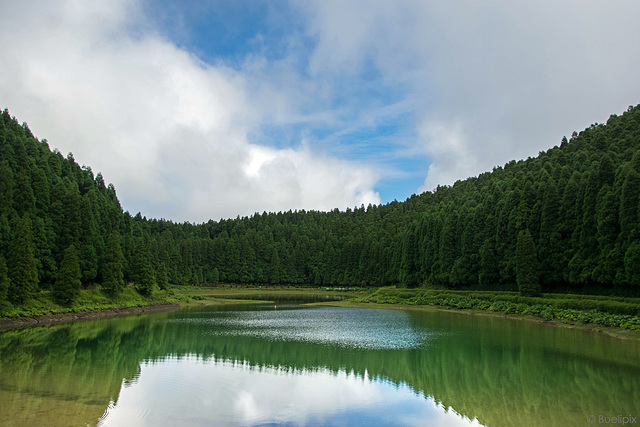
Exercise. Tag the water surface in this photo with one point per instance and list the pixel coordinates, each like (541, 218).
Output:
(301, 365)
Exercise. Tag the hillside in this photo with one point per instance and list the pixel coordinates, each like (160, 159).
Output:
(567, 218)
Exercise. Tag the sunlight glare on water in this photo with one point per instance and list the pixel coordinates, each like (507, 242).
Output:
(370, 329)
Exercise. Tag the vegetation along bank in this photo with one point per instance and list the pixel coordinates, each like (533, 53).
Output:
(565, 222)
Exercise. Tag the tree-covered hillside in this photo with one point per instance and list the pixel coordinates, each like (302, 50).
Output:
(566, 220)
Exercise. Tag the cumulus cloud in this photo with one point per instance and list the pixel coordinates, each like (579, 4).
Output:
(263, 395)
(354, 90)
(494, 80)
(174, 134)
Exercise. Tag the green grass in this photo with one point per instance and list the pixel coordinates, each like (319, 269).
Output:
(94, 299)
(89, 299)
(599, 310)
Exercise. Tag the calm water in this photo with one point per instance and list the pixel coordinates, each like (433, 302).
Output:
(297, 365)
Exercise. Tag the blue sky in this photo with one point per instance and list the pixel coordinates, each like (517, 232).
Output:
(230, 32)
(201, 110)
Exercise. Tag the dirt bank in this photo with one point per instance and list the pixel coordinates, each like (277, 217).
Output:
(50, 319)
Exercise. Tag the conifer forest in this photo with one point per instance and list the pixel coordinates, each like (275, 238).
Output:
(564, 221)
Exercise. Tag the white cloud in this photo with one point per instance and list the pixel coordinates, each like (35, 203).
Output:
(171, 132)
(494, 80)
(482, 83)
(231, 393)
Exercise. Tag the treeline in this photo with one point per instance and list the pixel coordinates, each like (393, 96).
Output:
(565, 220)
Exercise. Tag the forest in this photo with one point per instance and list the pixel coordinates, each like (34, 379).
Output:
(564, 221)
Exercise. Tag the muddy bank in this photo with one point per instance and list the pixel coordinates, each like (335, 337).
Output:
(54, 318)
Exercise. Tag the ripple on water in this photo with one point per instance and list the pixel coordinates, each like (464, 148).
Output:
(136, 414)
(345, 327)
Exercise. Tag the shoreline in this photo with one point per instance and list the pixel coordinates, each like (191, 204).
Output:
(195, 297)
(69, 317)
(619, 333)
(216, 298)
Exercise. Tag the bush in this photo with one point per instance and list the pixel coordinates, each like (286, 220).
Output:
(601, 310)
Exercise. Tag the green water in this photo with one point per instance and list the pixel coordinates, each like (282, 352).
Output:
(298, 365)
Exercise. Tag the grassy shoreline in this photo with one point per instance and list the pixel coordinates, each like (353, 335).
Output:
(611, 315)
(94, 304)
(612, 331)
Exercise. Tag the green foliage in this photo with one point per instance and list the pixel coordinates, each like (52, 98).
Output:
(141, 272)
(632, 264)
(579, 203)
(526, 265)
(68, 282)
(88, 300)
(607, 311)
(112, 274)
(23, 270)
(4, 280)
(163, 279)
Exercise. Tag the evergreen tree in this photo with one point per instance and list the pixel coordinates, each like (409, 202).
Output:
(163, 278)
(5, 235)
(88, 240)
(526, 264)
(629, 206)
(549, 249)
(408, 266)
(67, 286)
(4, 280)
(215, 276)
(6, 188)
(489, 273)
(273, 274)
(23, 266)
(41, 192)
(247, 261)
(23, 198)
(632, 265)
(447, 250)
(579, 203)
(112, 270)
(47, 267)
(141, 272)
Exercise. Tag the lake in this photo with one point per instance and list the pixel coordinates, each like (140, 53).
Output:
(291, 364)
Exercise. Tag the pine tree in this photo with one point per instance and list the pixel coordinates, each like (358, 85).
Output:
(447, 250)
(6, 188)
(629, 206)
(632, 265)
(215, 276)
(67, 286)
(526, 264)
(88, 238)
(273, 275)
(141, 272)
(408, 266)
(23, 270)
(489, 274)
(112, 270)
(550, 252)
(23, 198)
(41, 192)
(163, 278)
(4, 280)
(609, 258)
(247, 261)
